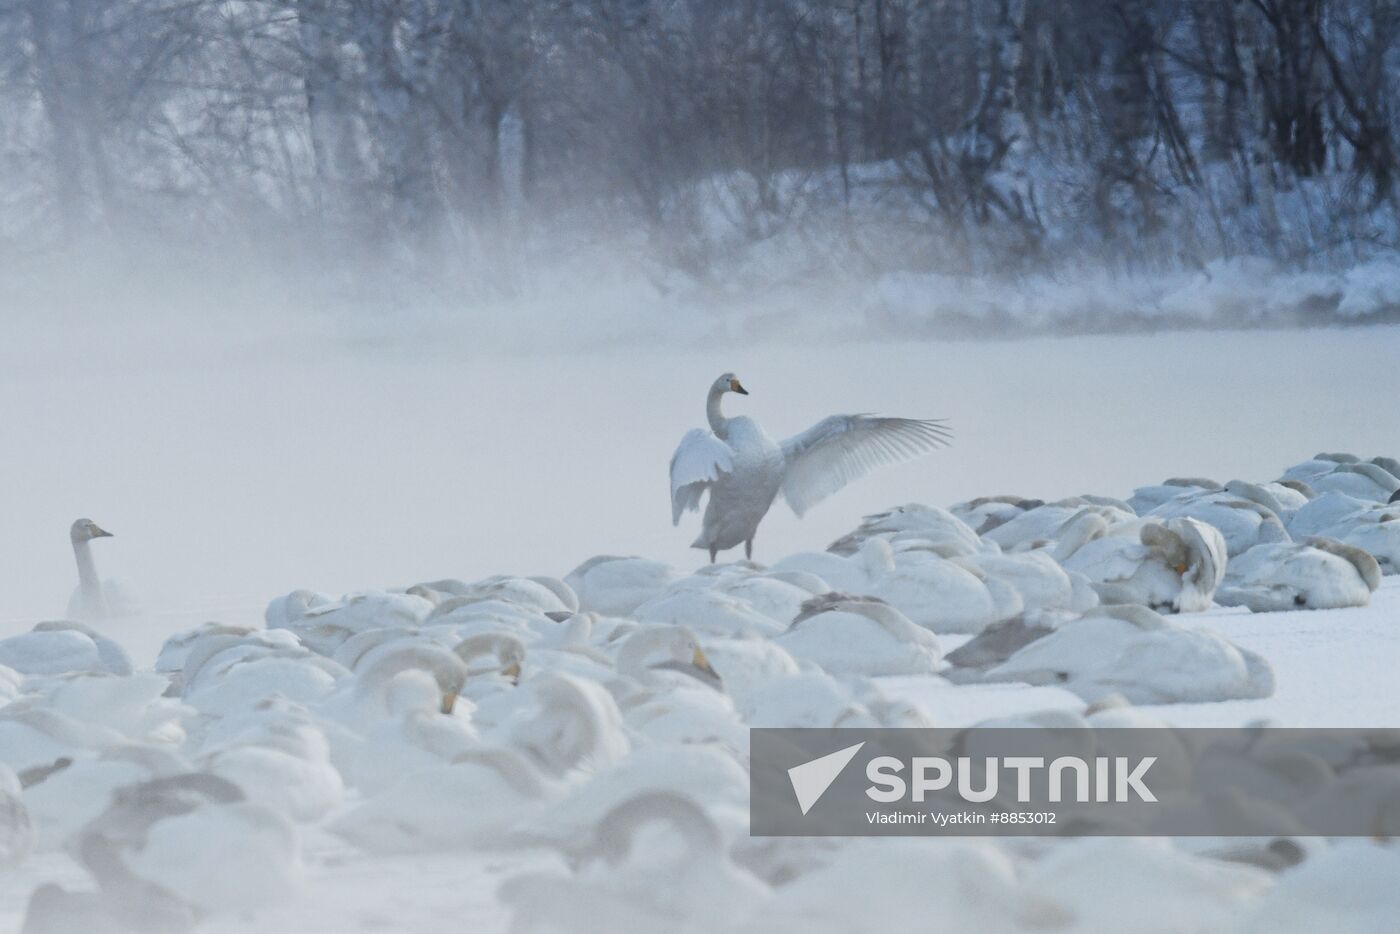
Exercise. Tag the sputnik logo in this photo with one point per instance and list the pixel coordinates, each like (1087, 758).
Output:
(810, 780)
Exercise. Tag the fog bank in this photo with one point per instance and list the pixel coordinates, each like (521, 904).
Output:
(234, 466)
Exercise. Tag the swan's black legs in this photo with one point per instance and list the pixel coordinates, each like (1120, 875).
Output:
(748, 548)
(713, 551)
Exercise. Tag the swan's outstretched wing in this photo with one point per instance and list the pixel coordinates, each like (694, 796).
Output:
(842, 448)
(698, 462)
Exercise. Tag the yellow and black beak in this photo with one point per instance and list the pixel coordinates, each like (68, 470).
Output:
(449, 701)
(736, 386)
(701, 661)
(512, 671)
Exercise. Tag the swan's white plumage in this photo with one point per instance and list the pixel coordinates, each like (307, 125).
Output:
(928, 527)
(847, 573)
(1041, 581)
(257, 863)
(943, 595)
(482, 799)
(293, 777)
(132, 705)
(987, 512)
(1372, 526)
(65, 801)
(54, 649)
(973, 885)
(914, 521)
(1173, 565)
(843, 448)
(1146, 658)
(1363, 481)
(855, 636)
(705, 772)
(615, 586)
(1289, 576)
(36, 737)
(96, 599)
(1282, 500)
(708, 611)
(565, 725)
(742, 469)
(810, 698)
(567, 719)
(17, 835)
(1068, 524)
(1243, 522)
(698, 462)
(655, 862)
(745, 666)
(778, 599)
(690, 715)
(1147, 498)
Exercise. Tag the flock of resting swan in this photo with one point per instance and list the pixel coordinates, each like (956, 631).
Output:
(603, 717)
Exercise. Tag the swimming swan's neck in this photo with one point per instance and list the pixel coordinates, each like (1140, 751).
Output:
(718, 423)
(89, 584)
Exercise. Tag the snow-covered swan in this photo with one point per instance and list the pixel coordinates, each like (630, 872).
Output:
(743, 469)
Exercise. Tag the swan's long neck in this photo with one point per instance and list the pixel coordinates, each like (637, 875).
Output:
(718, 423)
(1076, 533)
(638, 647)
(372, 680)
(88, 582)
(593, 730)
(876, 557)
(618, 828)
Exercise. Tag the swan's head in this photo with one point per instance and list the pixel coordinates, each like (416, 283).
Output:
(509, 652)
(85, 530)
(678, 643)
(512, 658)
(728, 382)
(374, 674)
(662, 645)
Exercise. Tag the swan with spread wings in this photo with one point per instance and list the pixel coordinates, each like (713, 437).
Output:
(743, 469)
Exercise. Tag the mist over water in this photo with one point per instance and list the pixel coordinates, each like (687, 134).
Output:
(347, 295)
(247, 451)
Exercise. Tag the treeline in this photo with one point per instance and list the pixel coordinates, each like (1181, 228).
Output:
(446, 134)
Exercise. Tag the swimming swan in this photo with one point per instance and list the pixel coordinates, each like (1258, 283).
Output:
(95, 599)
(743, 469)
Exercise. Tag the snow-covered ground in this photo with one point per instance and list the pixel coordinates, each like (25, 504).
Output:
(235, 469)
